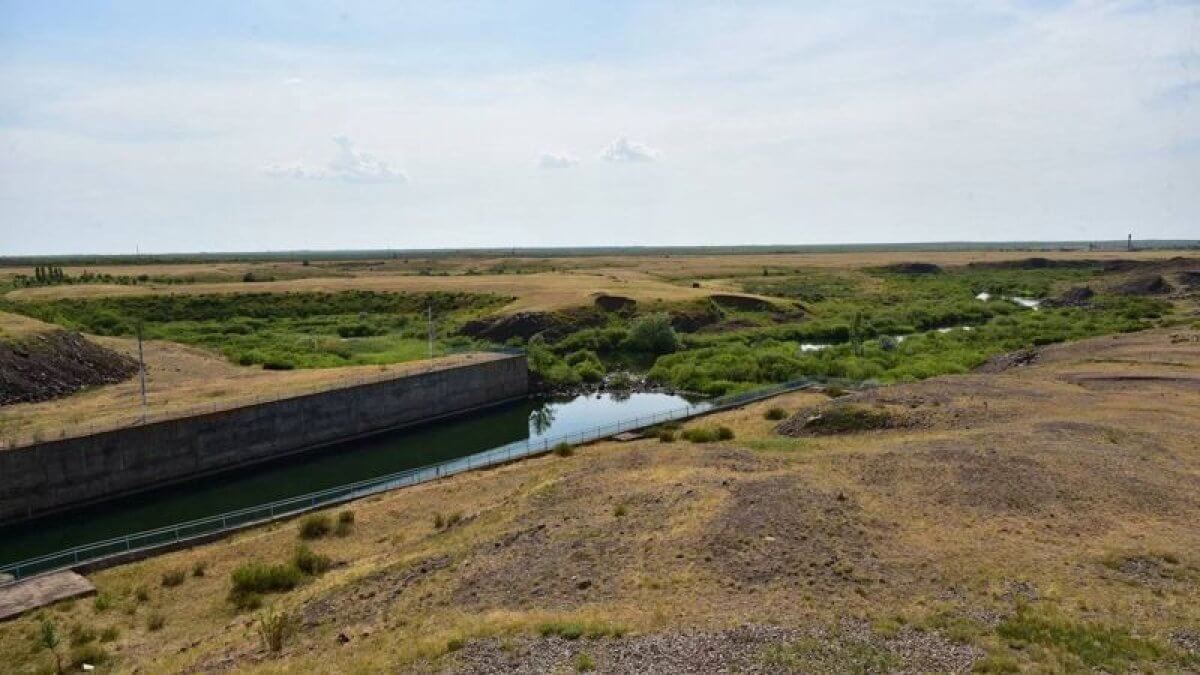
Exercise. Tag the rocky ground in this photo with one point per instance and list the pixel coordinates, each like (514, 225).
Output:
(56, 363)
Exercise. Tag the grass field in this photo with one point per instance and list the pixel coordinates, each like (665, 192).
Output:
(982, 530)
(736, 321)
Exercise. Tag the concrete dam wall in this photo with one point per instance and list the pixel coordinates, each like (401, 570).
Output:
(55, 475)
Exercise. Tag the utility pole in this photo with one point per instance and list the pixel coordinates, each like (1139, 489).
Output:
(142, 370)
(1129, 243)
(429, 320)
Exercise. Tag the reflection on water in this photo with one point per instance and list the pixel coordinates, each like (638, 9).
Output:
(334, 466)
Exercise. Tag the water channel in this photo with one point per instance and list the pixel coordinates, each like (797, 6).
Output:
(335, 466)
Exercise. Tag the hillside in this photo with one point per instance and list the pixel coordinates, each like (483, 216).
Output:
(1039, 517)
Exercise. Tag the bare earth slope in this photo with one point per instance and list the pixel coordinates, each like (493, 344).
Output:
(1042, 518)
(39, 362)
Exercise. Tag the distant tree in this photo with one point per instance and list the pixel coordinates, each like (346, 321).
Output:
(652, 334)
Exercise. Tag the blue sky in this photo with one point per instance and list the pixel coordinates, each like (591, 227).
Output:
(168, 126)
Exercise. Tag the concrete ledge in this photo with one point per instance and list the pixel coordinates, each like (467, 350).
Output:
(42, 590)
(69, 473)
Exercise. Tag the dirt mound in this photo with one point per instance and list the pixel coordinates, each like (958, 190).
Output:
(49, 365)
(692, 319)
(780, 529)
(837, 419)
(1077, 296)
(615, 303)
(525, 325)
(1147, 285)
(1035, 263)
(1003, 362)
(914, 268)
(743, 303)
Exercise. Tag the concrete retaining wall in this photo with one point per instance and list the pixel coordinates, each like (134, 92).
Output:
(59, 474)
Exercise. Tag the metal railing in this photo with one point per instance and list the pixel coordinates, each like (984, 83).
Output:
(241, 518)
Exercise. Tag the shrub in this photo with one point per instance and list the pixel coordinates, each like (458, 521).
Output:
(102, 602)
(274, 628)
(315, 526)
(199, 568)
(309, 562)
(564, 450)
(81, 634)
(573, 630)
(775, 413)
(652, 334)
(155, 621)
(699, 435)
(454, 519)
(91, 654)
(345, 524)
(110, 634)
(141, 593)
(256, 578)
(620, 511)
(666, 436)
(724, 433)
(173, 578)
(438, 521)
(584, 663)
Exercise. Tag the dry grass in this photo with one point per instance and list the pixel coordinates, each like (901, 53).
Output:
(1019, 489)
(17, 326)
(554, 283)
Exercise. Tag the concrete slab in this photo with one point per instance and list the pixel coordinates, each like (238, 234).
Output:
(22, 596)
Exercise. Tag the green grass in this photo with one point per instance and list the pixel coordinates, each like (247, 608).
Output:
(1093, 645)
(279, 330)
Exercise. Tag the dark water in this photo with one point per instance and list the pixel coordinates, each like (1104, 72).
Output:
(331, 467)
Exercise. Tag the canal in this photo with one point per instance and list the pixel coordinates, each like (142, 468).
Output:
(331, 467)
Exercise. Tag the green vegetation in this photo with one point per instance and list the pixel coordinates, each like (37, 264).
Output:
(707, 434)
(1079, 645)
(278, 330)
(315, 526)
(844, 419)
(251, 580)
(738, 362)
(563, 450)
(828, 656)
(274, 628)
(173, 578)
(345, 524)
(155, 621)
(573, 630)
(309, 562)
(775, 413)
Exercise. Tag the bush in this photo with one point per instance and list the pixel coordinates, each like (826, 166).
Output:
(699, 435)
(666, 436)
(652, 334)
(252, 579)
(620, 511)
(173, 578)
(775, 414)
(102, 602)
(199, 568)
(141, 594)
(110, 634)
(564, 450)
(315, 526)
(274, 628)
(155, 621)
(309, 562)
(345, 524)
(584, 663)
(91, 654)
(724, 433)
(81, 634)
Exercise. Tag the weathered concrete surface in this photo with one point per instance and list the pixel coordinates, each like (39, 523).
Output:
(22, 596)
(70, 472)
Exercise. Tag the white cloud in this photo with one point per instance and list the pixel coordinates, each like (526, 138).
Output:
(625, 150)
(552, 160)
(348, 165)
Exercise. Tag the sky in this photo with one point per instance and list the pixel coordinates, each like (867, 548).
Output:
(247, 125)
